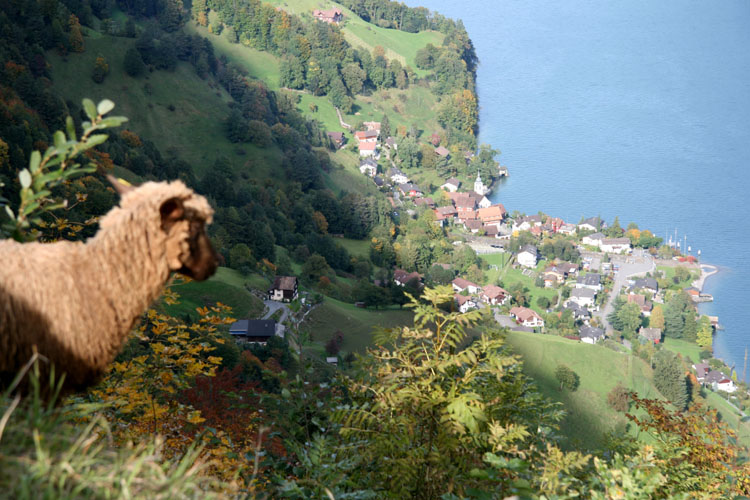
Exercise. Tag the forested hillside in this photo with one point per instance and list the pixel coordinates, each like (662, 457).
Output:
(379, 389)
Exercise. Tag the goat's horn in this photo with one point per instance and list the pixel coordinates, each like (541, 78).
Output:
(120, 185)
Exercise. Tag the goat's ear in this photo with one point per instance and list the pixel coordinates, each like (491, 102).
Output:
(120, 186)
(171, 211)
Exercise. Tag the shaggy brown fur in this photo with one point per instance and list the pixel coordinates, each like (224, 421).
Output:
(77, 302)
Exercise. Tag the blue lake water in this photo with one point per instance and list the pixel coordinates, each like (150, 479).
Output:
(635, 109)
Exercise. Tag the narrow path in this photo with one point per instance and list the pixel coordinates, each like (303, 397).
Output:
(341, 119)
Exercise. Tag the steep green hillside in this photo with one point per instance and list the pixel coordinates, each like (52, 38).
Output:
(177, 110)
(589, 417)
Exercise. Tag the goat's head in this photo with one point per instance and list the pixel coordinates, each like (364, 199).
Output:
(183, 218)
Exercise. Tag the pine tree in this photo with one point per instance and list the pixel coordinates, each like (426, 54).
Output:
(669, 378)
(75, 37)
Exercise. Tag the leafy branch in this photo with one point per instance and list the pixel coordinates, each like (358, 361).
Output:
(56, 166)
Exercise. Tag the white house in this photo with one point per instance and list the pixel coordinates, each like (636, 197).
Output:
(567, 229)
(484, 202)
(465, 303)
(726, 385)
(590, 334)
(592, 281)
(615, 245)
(592, 224)
(460, 284)
(397, 176)
(368, 167)
(593, 239)
(368, 149)
(494, 295)
(527, 317)
(584, 297)
(527, 257)
(451, 185)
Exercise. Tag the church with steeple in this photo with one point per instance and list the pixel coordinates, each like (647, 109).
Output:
(479, 186)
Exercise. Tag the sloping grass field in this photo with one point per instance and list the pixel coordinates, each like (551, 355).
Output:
(589, 417)
(226, 286)
(354, 322)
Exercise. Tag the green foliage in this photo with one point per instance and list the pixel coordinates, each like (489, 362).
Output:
(101, 69)
(133, 63)
(568, 378)
(619, 398)
(669, 378)
(56, 166)
(64, 450)
(434, 409)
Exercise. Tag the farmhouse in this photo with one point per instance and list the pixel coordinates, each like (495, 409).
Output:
(284, 289)
(330, 16)
(494, 295)
(401, 277)
(253, 330)
(527, 317)
(337, 138)
(451, 185)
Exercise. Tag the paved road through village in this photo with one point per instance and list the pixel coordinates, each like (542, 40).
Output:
(639, 263)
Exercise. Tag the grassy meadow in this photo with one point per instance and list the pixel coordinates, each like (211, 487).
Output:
(589, 418)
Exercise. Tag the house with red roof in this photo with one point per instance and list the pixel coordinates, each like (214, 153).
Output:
(330, 16)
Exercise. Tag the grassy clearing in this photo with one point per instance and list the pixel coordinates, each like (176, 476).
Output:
(226, 286)
(258, 64)
(356, 323)
(193, 129)
(669, 271)
(359, 248)
(495, 259)
(688, 350)
(589, 418)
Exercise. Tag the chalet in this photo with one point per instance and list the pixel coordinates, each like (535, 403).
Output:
(645, 305)
(528, 256)
(510, 323)
(401, 277)
(592, 224)
(473, 225)
(465, 303)
(567, 268)
(590, 334)
(284, 289)
(427, 202)
(647, 285)
(366, 135)
(553, 275)
(368, 166)
(567, 229)
(451, 185)
(330, 16)
(701, 370)
(652, 334)
(584, 297)
(337, 138)
(409, 189)
(368, 149)
(527, 317)
(397, 176)
(615, 245)
(579, 313)
(460, 284)
(391, 143)
(448, 212)
(719, 382)
(592, 281)
(442, 152)
(253, 330)
(595, 240)
(494, 295)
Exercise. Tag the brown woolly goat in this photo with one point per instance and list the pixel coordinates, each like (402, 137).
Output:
(77, 302)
